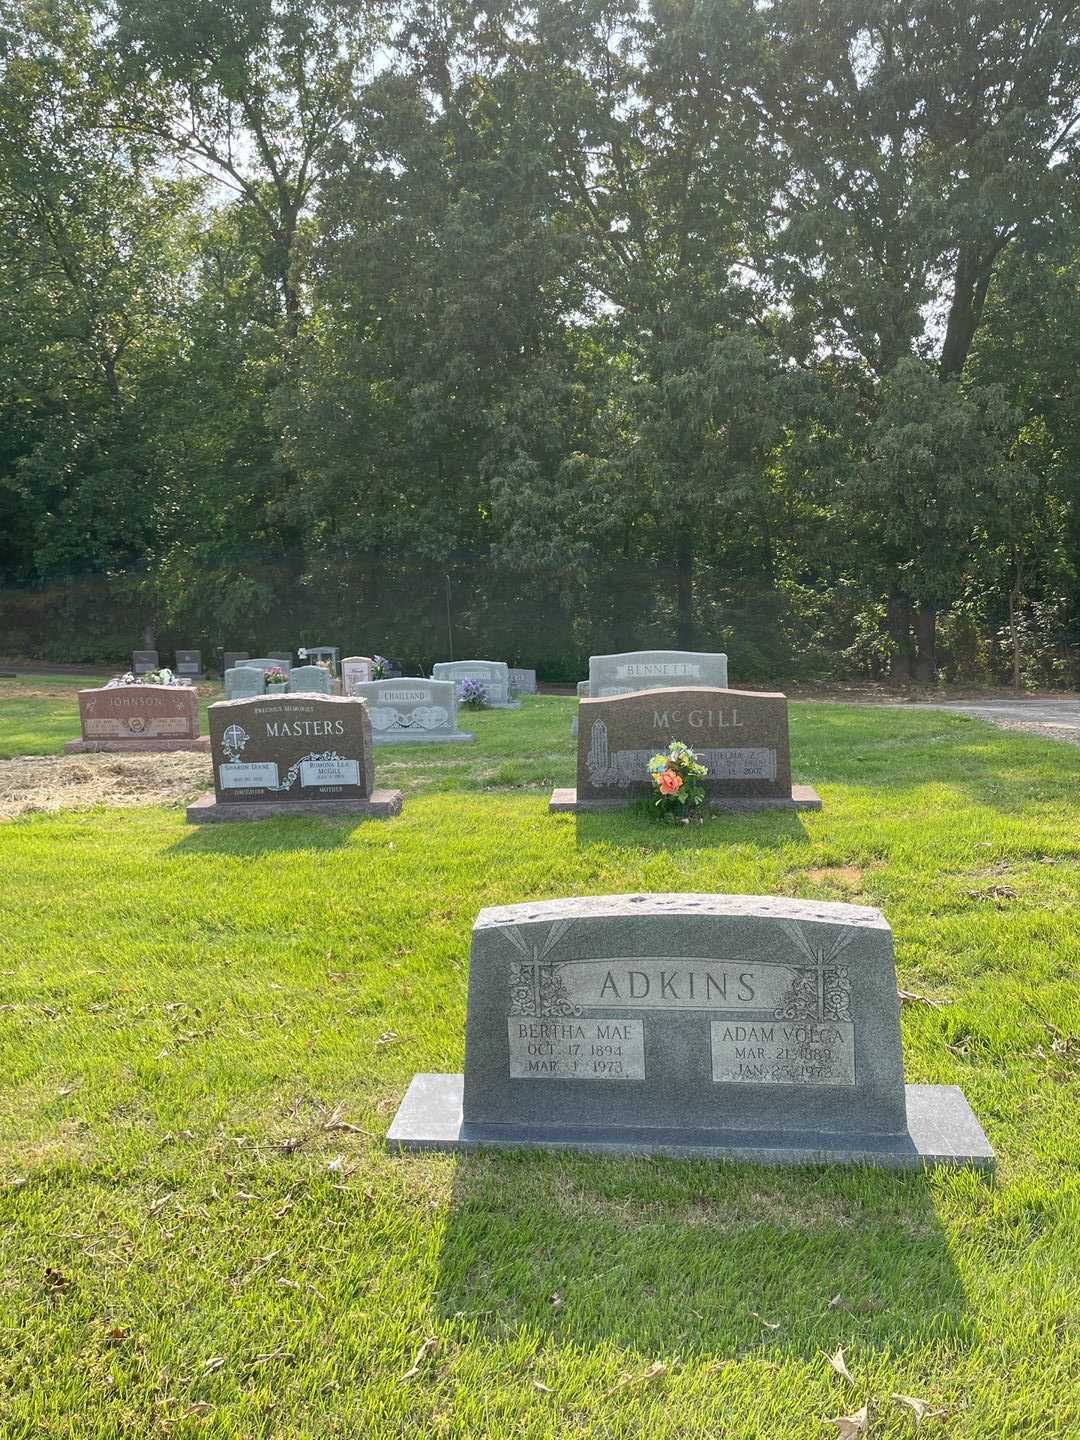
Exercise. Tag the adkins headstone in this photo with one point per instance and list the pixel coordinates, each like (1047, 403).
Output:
(412, 710)
(134, 718)
(494, 675)
(740, 736)
(143, 661)
(735, 1026)
(189, 664)
(292, 754)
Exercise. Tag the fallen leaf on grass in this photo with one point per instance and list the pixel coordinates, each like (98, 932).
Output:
(654, 1372)
(544, 1389)
(556, 1301)
(214, 1363)
(425, 1350)
(909, 997)
(838, 1364)
(67, 1090)
(116, 1333)
(921, 1407)
(391, 1037)
(269, 1355)
(56, 1281)
(199, 1407)
(851, 1426)
(769, 1324)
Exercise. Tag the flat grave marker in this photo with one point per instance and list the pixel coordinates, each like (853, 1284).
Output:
(722, 1026)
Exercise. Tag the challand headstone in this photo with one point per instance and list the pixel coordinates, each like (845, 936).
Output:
(740, 736)
(233, 657)
(721, 1026)
(494, 675)
(269, 662)
(650, 670)
(355, 670)
(292, 755)
(189, 664)
(244, 680)
(310, 679)
(412, 710)
(134, 718)
(522, 681)
(143, 661)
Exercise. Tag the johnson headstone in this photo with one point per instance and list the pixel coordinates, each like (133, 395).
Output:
(292, 754)
(494, 675)
(737, 1026)
(134, 718)
(412, 710)
(740, 736)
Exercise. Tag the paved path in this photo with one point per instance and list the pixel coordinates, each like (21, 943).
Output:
(1059, 719)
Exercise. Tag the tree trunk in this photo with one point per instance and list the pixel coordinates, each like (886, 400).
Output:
(1014, 636)
(926, 636)
(148, 634)
(684, 589)
(898, 626)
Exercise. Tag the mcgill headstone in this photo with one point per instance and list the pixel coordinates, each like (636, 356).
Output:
(740, 736)
(722, 1026)
(244, 680)
(143, 661)
(309, 678)
(355, 670)
(189, 664)
(292, 755)
(412, 710)
(494, 675)
(134, 718)
(522, 681)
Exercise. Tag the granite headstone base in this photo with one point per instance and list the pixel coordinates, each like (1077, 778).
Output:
(942, 1130)
(803, 797)
(417, 737)
(380, 805)
(149, 746)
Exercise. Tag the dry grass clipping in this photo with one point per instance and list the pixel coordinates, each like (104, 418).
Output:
(36, 783)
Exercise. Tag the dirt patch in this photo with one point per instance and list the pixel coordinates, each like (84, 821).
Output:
(36, 783)
(849, 877)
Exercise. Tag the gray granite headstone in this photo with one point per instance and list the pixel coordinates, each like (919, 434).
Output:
(494, 675)
(315, 653)
(282, 657)
(233, 657)
(309, 678)
(632, 670)
(268, 662)
(522, 681)
(244, 680)
(292, 754)
(355, 670)
(411, 709)
(143, 661)
(715, 1025)
(189, 664)
(740, 736)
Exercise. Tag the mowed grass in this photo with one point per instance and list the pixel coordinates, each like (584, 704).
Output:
(205, 1033)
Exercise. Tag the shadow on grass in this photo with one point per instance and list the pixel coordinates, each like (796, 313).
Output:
(637, 825)
(265, 837)
(689, 1258)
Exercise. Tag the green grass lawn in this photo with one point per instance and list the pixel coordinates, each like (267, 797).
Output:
(206, 1031)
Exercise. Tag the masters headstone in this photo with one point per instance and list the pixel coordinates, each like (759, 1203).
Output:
(412, 710)
(720, 1026)
(740, 736)
(312, 679)
(143, 661)
(244, 680)
(189, 664)
(134, 718)
(292, 755)
(494, 675)
(355, 670)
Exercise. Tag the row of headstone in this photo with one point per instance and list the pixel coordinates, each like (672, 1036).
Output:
(188, 663)
(720, 1026)
(288, 754)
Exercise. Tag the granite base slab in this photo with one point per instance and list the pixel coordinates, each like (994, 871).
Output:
(942, 1130)
(408, 738)
(149, 746)
(803, 797)
(380, 805)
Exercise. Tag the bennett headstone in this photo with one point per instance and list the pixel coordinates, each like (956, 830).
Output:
(189, 664)
(292, 754)
(735, 1026)
(632, 670)
(244, 680)
(143, 661)
(312, 679)
(412, 710)
(138, 718)
(522, 681)
(355, 670)
(494, 675)
(740, 736)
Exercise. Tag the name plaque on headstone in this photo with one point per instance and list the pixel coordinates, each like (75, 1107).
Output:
(716, 1025)
(139, 717)
(411, 710)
